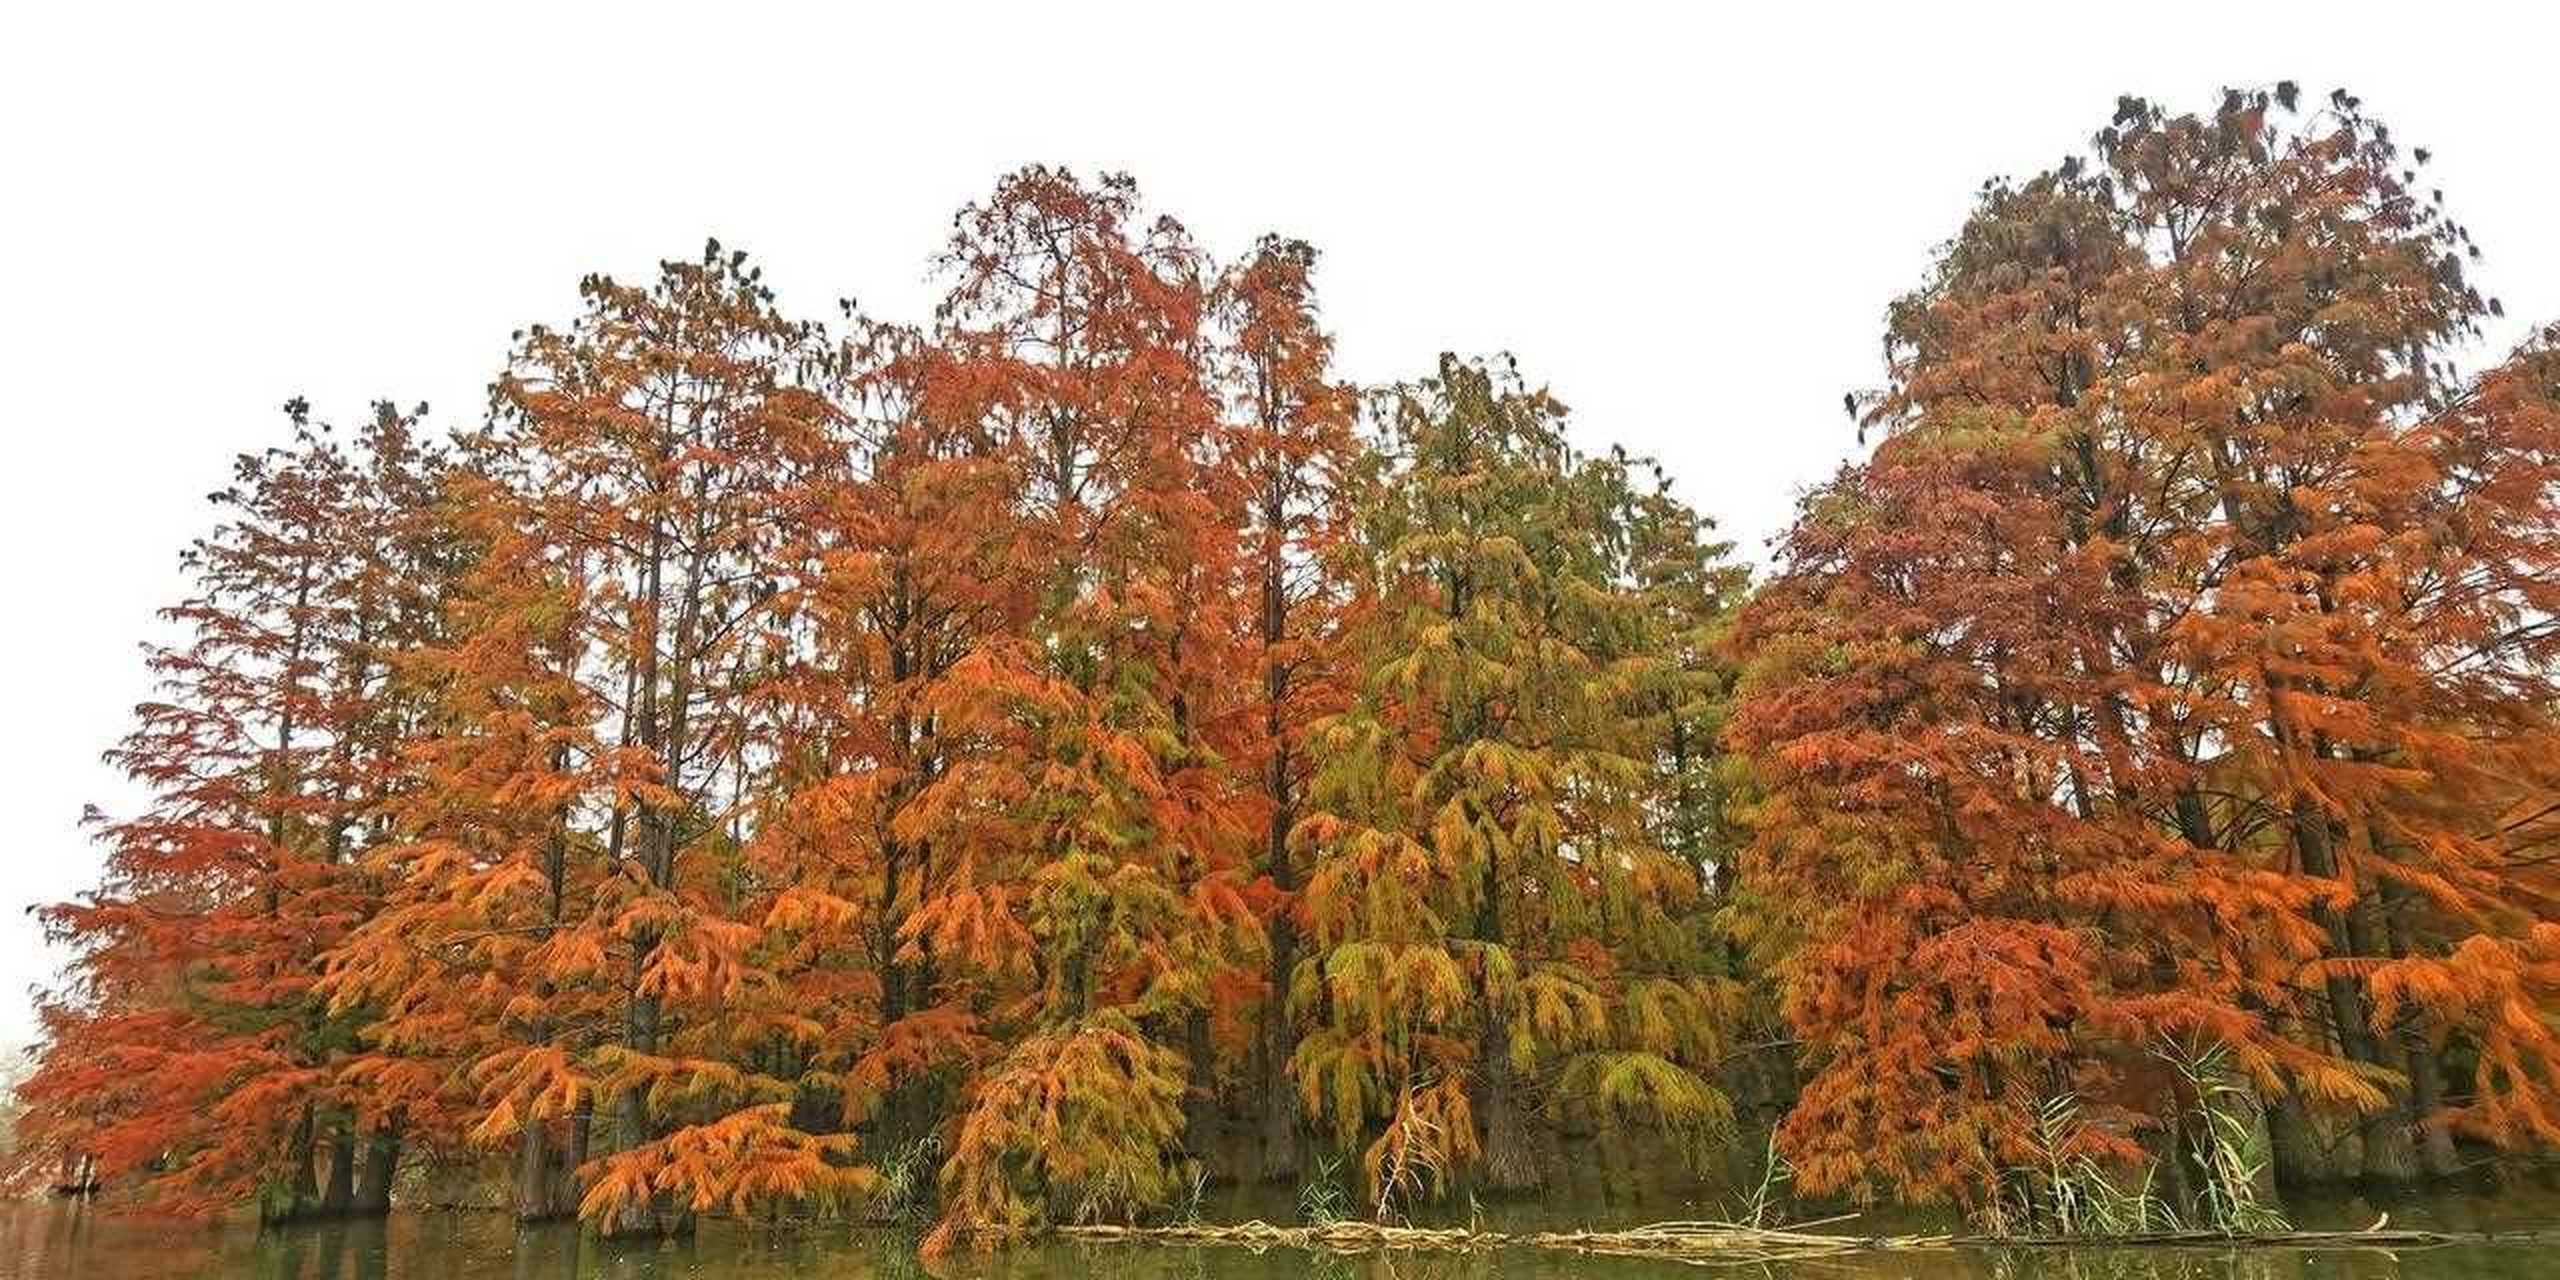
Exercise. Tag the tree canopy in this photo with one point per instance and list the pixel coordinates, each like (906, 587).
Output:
(1015, 766)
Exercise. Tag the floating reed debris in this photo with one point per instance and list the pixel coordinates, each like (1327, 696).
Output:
(1723, 1242)
(2381, 1235)
(1702, 1242)
(1717, 1243)
(2377, 1238)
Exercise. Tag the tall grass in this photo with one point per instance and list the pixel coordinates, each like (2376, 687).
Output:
(2067, 1192)
(2231, 1150)
(1322, 1201)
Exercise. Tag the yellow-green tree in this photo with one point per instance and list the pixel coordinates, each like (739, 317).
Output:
(1497, 930)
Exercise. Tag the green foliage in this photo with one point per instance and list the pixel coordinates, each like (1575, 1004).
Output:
(1517, 820)
(1322, 1200)
(2231, 1152)
(1078, 1123)
(2065, 1190)
(906, 1180)
(2064, 1187)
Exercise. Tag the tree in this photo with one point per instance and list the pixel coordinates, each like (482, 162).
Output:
(995, 762)
(1095, 874)
(912, 568)
(190, 1053)
(1491, 917)
(650, 465)
(2069, 700)
(1296, 444)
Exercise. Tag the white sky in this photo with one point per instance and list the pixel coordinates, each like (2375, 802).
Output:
(1688, 221)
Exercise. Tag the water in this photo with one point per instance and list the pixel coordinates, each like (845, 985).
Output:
(59, 1239)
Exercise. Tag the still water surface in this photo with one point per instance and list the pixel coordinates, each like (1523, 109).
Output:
(42, 1241)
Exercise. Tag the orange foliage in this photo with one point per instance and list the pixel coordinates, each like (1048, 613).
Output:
(766, 768)
(2167, 674)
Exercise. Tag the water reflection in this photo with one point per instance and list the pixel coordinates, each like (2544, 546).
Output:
(45, 1240)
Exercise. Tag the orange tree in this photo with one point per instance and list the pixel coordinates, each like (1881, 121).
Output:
(580, 877)
(2112, 703)
(1093, 878)
(1296, 444)
(190, 1053)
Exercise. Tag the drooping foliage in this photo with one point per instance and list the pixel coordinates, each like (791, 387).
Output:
(191, 1050)
(2147, 684)
(589, 863)
(1017, 766)
(1302, 459)
(1496, 923)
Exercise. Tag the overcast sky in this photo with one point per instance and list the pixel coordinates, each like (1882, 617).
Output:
(1687, 225)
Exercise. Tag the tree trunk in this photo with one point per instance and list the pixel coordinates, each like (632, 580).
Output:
(1277, 1138)
(302, 1183)
(2418, 1050)
(2301, 1158)
(1510, 1150)
(2390, 1134)
(2312, 843)
(1200, 1128)
(533, 1197)
(1280, 1149)
(566, 1189)
(340, 1194)
(2426, 1098)
(1276, 1123)
(2263, 1136)
(645, 1217)
(667, 724)
(373, 1177)
(2178, 1172)
(2389, 1156)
